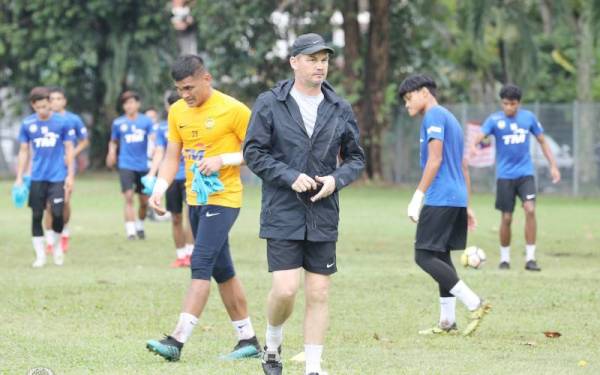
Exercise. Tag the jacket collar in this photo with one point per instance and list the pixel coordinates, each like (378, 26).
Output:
(283, 88)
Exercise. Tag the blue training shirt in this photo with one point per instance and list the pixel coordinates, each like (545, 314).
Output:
(161, 141)
(513, 158)
(47, 141)
(77, 124)
(132, 135)
(449, 187)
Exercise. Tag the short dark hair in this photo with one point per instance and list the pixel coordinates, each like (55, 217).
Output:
(186, 66)
(128, 95)
(39, 93)
(172, 97)
(416, 82)
(511, 92)
(58, 89)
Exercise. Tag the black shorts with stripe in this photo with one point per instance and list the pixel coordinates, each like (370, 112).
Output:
(508, 189)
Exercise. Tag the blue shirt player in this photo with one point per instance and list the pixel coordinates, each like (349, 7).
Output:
(52, 171)
(130, 135)
(439, 206)
(512, 128)
(58, 103)
(182, 233)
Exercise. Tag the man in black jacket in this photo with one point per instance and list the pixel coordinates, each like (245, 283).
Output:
(297, 131)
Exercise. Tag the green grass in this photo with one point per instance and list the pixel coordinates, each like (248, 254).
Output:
(95, 313)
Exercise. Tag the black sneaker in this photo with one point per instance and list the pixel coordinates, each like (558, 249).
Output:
(271, 362)
(168, 348)
(249, 348)
(131, 237)
(531, 265)
(141, 234)
(504, 265)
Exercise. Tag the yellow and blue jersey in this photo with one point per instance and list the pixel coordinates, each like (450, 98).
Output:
(216, 127)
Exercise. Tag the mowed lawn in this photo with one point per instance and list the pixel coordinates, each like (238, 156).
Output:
(94, 314)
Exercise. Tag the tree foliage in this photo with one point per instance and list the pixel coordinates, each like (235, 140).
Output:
(96, 49)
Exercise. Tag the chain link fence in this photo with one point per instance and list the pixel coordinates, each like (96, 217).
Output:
(571, 129)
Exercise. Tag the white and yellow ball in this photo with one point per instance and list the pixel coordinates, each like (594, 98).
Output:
(473, 256)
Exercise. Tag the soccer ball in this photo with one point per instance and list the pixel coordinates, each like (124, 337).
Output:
(473, 256)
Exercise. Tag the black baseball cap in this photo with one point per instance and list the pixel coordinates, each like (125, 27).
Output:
(307, 44)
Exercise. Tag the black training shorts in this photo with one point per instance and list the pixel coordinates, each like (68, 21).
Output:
(442, 228)
(130, 180)
(508, 189)
(46, 191)
(315, 257)
(176, 196)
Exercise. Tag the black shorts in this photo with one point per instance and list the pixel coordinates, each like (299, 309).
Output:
(315, 257)
(131, 179)
(45, 191)
(442, 228)
(176, 197)
(508, 189)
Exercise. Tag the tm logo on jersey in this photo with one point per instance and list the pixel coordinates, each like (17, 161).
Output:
(47, 141)
(137, 136)
(519, 136)
(191, 154)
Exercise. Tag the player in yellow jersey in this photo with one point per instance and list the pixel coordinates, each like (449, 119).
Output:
(208, 127)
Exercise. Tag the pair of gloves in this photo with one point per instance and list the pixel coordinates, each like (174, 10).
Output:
(20, 193)
(204, 185)
(148, 183)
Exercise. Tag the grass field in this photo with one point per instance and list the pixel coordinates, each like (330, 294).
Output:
(95, 313)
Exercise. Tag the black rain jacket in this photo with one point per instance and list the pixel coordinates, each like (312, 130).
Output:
(277, 149)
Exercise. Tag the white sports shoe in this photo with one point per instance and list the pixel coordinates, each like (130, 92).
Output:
(59, 256)
(39, 262)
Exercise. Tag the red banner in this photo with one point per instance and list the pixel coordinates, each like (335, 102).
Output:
(486, 150)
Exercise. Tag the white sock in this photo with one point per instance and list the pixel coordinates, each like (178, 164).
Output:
(447, 311)
(274, 336)
(243, 328)
(57, 244)
(130, 228)
(180, 253)
(505, 254)
(38, 247)
(139, 225)
(185, 326)
(58, 254)
(65, 232)
(50, 237)
(466, 295)
(530, 252)
(189, 248)
(313, 354)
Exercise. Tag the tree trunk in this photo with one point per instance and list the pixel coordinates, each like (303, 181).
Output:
(504, 60)
(546, 13)
(353, 63)
(352, 59)
(376, 79)
(585, 73)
